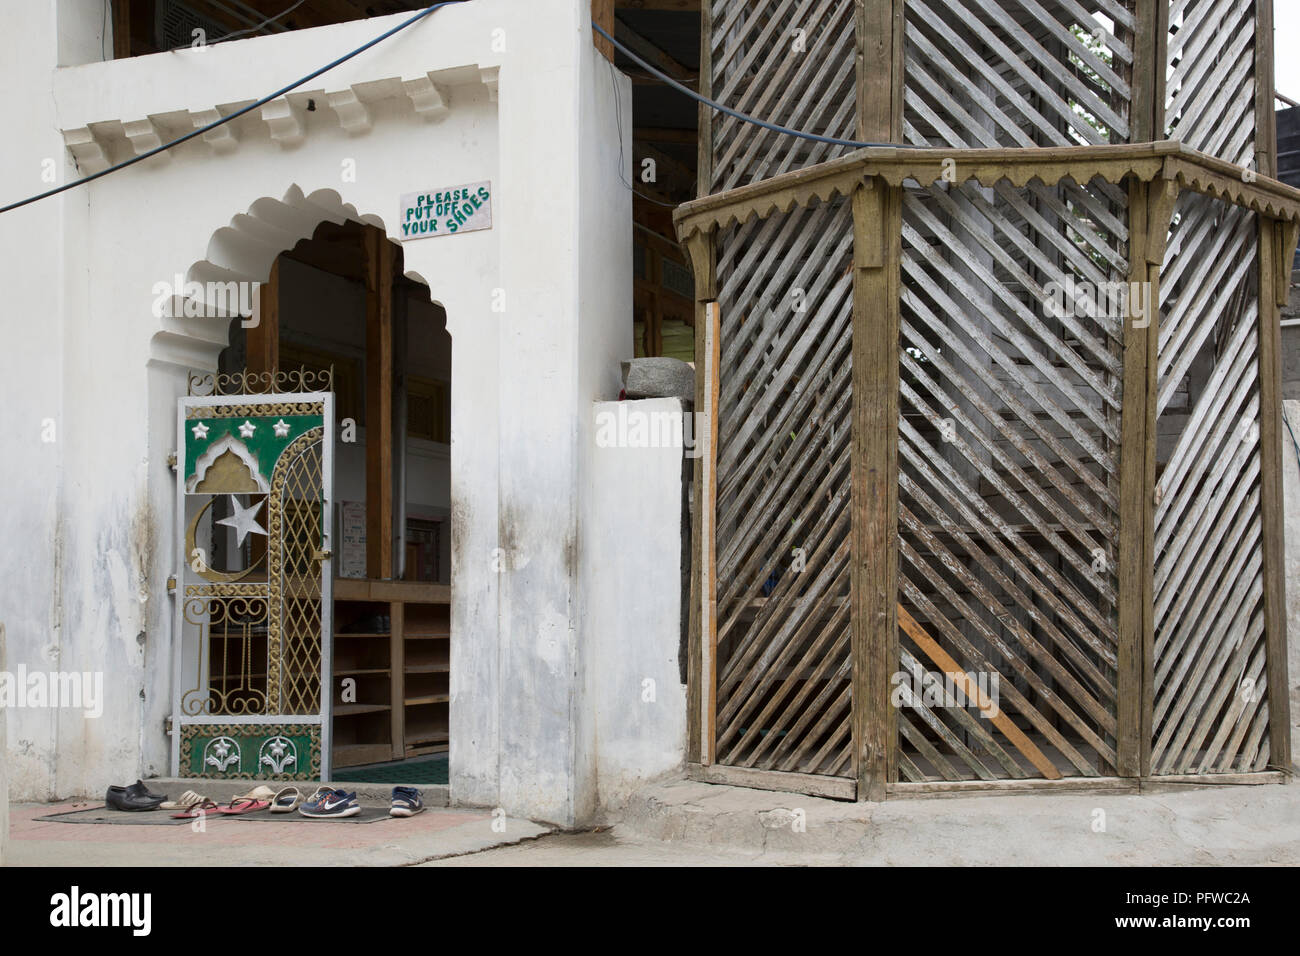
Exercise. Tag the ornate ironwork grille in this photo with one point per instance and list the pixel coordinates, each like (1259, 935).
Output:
(253, 593)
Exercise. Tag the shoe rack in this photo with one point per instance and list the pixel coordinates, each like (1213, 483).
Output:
(394, 639)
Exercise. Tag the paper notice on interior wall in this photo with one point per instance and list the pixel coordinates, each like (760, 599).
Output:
(352, 534)
(446, 211)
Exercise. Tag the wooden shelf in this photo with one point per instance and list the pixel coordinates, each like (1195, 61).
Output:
(354, 755)
(351, 710)
(408, 665)
(428, 699)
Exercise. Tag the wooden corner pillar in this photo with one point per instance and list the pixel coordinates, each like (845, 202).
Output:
(704, 155)
(1276, 253)
(1151, 209)
(1265, 81)
(701, 646)
(877, 251)
(877, 257)
(879, 45)
(1150, 54)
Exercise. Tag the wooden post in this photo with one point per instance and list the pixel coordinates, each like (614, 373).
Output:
(877, 250)
(1150, 51)
(1274, 262)
(121, 29)
(397, 677)
(602, 12)
(1151, 208)
(1265, 116)
(699, 735)
(262, 341)
(704, 156)
(379, 404)
(879, 29)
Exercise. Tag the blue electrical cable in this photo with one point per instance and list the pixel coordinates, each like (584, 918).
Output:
(235, 115)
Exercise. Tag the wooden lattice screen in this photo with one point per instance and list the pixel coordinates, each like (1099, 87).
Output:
(954, 448)
(1211, 690)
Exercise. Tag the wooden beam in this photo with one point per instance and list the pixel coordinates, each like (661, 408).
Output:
(815, 785)
(648, 51)
(262, 341)
(602, 12)
(1150, 211)
(879, 69)
(121, 29)
(1150, 47)
(379, 404)
(397, 678)
(704, 122)
(1265, 82)
(877, 249)
(1272, 511)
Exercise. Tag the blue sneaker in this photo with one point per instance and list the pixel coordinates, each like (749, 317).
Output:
(406, 802)
(327, 802)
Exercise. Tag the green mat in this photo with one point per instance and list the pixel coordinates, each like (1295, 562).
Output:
(426, 770)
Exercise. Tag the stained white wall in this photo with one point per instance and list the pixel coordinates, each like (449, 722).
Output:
(632, 581)
(529, 111)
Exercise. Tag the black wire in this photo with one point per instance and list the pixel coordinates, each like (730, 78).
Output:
(618, 121)
(235, 115)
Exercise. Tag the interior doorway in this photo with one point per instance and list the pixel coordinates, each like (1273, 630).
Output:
(340, 303)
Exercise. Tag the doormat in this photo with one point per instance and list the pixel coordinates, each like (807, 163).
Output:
(430, 770)
(367, 815)
(105, 815)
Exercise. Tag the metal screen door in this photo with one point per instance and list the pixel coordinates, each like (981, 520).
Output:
(253, 589)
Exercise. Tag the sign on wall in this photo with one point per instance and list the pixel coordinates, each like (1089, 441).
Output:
(446, 211)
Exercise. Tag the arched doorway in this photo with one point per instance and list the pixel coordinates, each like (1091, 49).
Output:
(336, 313)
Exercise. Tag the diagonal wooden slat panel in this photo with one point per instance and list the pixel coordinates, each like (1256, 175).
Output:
(789, 62)
(1008, 457)
(782, 539)
(990, 73)
(1210, 92)
(1210, 696)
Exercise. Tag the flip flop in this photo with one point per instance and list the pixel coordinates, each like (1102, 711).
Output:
(185, 801)
(286, 801)
(198, 810)
(243, 805)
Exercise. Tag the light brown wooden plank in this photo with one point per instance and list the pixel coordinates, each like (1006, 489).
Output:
(836, 788)
(1272, 508)
(943, 660)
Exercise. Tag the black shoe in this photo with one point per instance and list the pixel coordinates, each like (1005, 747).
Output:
(139, 787)
(134, 797)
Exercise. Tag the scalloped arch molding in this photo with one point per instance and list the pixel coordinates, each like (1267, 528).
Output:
(244, 251)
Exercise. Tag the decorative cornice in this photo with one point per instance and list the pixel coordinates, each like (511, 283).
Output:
(353, 108)
(1191, 169)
